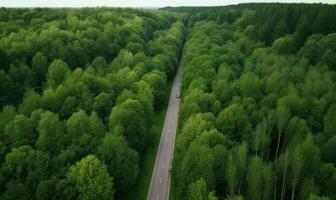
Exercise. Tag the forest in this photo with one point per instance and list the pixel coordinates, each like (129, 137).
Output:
(81, 89)
(258, 112)
(79, 92)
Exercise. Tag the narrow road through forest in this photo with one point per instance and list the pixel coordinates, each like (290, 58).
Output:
(160, 182)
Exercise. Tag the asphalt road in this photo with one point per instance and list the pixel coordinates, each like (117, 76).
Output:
(160, 182)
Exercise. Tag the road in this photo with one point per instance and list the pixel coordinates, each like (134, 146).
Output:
(160, 182)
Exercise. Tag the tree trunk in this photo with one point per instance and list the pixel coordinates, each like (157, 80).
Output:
(283, 189)
(283, 145)
(270, 136)
(293, 192)
(275, 187)
(278, 145)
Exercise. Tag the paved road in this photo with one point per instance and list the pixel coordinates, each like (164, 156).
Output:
(160, 183)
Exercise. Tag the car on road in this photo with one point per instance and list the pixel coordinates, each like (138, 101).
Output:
(178, 95)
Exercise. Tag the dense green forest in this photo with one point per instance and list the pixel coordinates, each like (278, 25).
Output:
(258, 113)
(79, 90)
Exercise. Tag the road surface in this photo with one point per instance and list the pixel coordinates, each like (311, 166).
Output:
(160, 182)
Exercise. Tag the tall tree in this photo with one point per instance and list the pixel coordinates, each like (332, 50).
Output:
(233, 121)
(121, 161)
(25, 168)
(58, 71)
(51, 133)
(282, 117)
(89, 179)
(128, 119)
(40, 66)
(330, 120)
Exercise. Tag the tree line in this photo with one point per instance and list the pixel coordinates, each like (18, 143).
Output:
(257, 119)
(79, 89)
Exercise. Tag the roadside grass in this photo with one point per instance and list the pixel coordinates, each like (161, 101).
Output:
(147, 161)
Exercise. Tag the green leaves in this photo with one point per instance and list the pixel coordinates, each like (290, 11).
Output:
(128, 119)
(121, 161)
(89, 179)
(40, 66)
(25, 168)
(158, 83)
(58, 72)
(329, 121)
(20, 131)
(52, 137)
(85, 131)
(259, 179)
(271, 110)
(198, 191)
(232, 121)
(73, 76)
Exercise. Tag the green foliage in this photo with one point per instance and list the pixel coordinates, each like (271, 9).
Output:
(250, 85)
(68, 78)
(51, 133)
(257, 114)
(233, 121)
(314, 197)
(259, 179)
(308, 188)
(158, 83)
(265, 72)
(283, 45)
(128, 119)
(85, 130)
(31, 102)
(103, 104)
(329, 121)
(40, 66)
(328, 150)
(58, 71)
(24, 168)
(198, 191)
(89, 179)
(121, 161)
(20, 131)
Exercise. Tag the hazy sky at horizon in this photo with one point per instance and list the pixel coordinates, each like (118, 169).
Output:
(138, 3)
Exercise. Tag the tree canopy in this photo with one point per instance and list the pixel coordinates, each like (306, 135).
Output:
(79, 89)
(261, 79)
